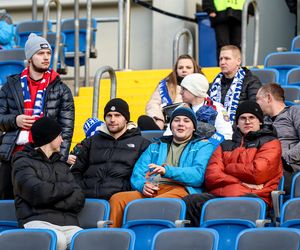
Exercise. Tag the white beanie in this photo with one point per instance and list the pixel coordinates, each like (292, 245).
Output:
(197, 84)
(34, 44)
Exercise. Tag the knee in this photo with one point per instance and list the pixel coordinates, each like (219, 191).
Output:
(116, 198)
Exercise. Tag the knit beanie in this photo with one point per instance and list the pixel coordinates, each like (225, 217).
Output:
(197, 84)
(44, 131)
(34, 44)
(117, 105)
(188, 112)
(91, 126)
(249, 107)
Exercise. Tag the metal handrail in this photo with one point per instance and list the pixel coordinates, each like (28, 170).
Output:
(176, 39)
(97, 79)
(34, 9)
(76, 45)
(127, 35)
(88, 42)
(244, 31)
(121, 34)
(58, 27)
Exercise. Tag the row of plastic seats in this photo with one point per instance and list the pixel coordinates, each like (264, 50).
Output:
(168, 239)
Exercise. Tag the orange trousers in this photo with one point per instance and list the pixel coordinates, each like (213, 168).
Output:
(119, 201)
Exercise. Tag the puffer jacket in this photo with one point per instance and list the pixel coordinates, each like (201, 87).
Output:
(104, 164)
(44, 188)
(190, 171)
(59, 105)
(253, 159)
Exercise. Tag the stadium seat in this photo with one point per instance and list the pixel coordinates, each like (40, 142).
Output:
(67, 27)
(295, 188)
(268, 238)
(9, 68)
(95, 213)
(290, 214)
(293, 77)
(229, 216)
(266, 75)
(186, 238)
(283, 62)
(295, 44)
(104, 239)
(292, 94)
(8, 219)
(148, 216)
(28, 239)
(152, 135)
(23, 30)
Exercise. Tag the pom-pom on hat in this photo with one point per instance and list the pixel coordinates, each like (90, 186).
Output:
(34, 44)
(44, 131)
(91, 126)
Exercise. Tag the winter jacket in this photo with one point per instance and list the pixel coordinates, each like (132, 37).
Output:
(44, 188)
(287, 125)
(253, 159)
(59, 105)
(104, 164)
(154, 106)
(190, 171)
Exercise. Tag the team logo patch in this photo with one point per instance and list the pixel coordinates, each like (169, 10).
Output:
(113, 108)
(44, 46)
(131, 145)
(225, 116)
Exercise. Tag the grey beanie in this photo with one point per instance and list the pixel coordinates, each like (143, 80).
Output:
(34, 44)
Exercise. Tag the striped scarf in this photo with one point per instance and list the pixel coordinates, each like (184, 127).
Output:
(164, 94)
(233, 94)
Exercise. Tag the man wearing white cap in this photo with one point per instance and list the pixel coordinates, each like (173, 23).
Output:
(37, 92)
(194, 89)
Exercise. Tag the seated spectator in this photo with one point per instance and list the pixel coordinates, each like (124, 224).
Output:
(167, 93)
(105, 161)
(90, 127)
(248, 165)
(7, 31)
(234, 84)
(177, 162)
(286, 121)
(194, 89)
(46, 194)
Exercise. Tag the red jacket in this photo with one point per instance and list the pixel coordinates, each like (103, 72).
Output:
(254, 159)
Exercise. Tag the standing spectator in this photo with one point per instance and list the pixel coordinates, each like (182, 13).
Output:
(38, 91)
(286, 121)
(46, 194)
(105, 161)
(167, 93)
(234, 84)
(179, 161)
(247, 165)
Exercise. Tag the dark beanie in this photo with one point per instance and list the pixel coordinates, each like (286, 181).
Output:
(117, 105)
(188, 112)
(249, 107)
(44, 131)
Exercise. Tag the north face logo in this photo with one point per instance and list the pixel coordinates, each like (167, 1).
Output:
(131, 145)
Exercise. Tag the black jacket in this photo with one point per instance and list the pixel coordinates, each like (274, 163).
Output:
(44, 188)
(59, 105)
(104, 164)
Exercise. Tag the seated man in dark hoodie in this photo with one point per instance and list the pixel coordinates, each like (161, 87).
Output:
(46, 194)
(105, 162)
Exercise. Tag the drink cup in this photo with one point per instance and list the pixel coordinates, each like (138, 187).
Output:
(28, 111)
(154, 180)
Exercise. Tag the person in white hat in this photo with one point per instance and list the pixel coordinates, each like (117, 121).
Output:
(194, 89)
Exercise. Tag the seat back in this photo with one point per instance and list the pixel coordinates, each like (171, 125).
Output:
(12, 55)
(152, 135)
(186, 238)
(8, 219)
(283, 62)
(9, 68)
(293, 77)
(28, 239)
(230, 216)
(104, 239)
(266, 75)
(23, 30)
(268, 238)
(295, 188)
(292, 93)
(295, 44)
(94, 210)
(290, 214)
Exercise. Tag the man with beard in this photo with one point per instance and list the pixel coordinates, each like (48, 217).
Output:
(37, 92)
(106, 159)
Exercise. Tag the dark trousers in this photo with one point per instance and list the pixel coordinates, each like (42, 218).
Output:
(228, 33)
(6, 188)
(194, 204)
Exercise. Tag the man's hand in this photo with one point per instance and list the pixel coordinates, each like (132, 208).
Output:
(149, 190)
(25, 121)
(253, 186)
(156, 169)
(71, 159)
(213, 14)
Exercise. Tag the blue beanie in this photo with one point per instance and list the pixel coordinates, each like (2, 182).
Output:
(91, 126)
(188, 112)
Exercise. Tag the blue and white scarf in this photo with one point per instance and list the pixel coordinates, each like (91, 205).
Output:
(164, 93)
(233, 94)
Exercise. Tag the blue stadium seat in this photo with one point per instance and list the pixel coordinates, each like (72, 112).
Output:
(295, 44)
(9, 68)
(293, 77)
(292, 94)
(266, 75)
(290, 214)
(295, 188)
(186, 238)
(152, 135)
(8, 219)
(104, 239)
(230, 216)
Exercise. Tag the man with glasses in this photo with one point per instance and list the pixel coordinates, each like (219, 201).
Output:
(248, 165)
